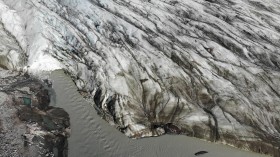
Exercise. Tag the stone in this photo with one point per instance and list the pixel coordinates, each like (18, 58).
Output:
(28, 125)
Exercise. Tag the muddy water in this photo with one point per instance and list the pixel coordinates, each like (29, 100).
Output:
(93, 137)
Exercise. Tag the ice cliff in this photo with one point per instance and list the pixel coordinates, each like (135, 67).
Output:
(204, 68)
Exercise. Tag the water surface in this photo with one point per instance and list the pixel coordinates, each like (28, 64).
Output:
(93, 137)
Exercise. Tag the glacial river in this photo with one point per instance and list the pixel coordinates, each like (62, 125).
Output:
(93, 137)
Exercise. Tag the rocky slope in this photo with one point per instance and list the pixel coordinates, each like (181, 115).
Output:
(29, 127)
(204, 68)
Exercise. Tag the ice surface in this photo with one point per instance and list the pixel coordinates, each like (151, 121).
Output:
(146, 64)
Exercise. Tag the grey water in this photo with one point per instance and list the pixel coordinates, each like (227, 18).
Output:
(91, 136)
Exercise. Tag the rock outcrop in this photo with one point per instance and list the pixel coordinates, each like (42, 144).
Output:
(29, 127)
(204, 68)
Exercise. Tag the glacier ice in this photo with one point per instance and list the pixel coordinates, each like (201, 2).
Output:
(209, 68)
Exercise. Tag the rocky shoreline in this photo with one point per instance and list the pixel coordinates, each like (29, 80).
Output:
(29, 127)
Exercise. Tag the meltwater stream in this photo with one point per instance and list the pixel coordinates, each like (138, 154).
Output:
(93, 137)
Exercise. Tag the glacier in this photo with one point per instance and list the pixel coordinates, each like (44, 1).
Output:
(202, 68)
